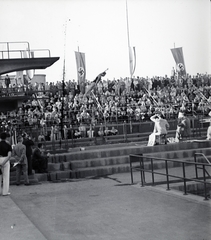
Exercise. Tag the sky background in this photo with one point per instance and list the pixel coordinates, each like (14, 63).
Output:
(99, 29)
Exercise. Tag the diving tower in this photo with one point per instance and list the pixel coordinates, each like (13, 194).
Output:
(17, 56)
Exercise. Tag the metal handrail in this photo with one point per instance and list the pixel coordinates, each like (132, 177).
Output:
(20, 50)
(202, 156)
(184, 178)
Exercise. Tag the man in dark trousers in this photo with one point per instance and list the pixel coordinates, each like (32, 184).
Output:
(28, 143)
(7, 81)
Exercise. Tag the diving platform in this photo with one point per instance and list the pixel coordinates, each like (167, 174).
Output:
(20, 64)
(17, 56)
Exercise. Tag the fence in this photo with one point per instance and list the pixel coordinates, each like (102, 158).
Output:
(183, 164)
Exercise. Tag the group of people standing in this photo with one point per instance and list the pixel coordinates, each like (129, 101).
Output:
(21, 156)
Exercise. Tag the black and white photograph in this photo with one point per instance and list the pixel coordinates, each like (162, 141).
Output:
(105, 119)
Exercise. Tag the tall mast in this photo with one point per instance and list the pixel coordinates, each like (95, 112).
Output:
(128, 38)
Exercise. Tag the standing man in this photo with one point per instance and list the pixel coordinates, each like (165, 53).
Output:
(28, 143)
(5, 153)
(19, 153)
(7, 81)
(183, 127)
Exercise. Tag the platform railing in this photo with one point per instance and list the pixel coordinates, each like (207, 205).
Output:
(141, 167)
(11, 50)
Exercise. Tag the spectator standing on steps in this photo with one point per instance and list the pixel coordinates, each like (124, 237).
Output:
(183, 127)
(5, 153)
(27, 141)
(19, 153)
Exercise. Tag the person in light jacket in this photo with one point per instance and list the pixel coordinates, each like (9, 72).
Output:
(19, 153)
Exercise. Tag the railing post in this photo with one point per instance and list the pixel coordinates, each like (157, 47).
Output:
(184, 178)
(205, 184)
(8, 50)
(152, 168)
(125, 130)
(196, 166)
(142, 171)
(167, 175)
(131, 171)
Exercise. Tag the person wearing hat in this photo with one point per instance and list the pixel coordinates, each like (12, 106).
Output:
(5, 154)
(19, 153)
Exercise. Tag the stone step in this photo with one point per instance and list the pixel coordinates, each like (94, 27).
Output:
(112, 169)
(180, 154)
(99, 162)
(103, 151)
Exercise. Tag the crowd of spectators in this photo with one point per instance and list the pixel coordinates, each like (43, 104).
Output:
(115, 101)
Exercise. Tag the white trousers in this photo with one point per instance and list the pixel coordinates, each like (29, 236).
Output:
(4, 177)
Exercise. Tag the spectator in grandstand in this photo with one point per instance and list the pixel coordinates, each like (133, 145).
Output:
(114, 131)
(77, 134)
(19, 153)
(82, 129)
(5, 154)
(100, 131)
(90, 132)
(28, 142)
(41, 137)
(209, 132)
(107, 132)
(40, 159)
(161, 127)
(7, 81)
(183, 127)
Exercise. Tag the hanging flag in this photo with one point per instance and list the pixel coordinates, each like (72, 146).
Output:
(132, 59)
(95, 82)
(179, 59)
(81, 70)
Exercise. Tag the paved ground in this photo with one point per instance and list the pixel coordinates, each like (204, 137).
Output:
(106, 208)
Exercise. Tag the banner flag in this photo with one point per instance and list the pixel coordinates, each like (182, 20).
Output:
(81, 70)
(179, 59)
(132, 58)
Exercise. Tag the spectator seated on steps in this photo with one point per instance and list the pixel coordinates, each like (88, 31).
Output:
(160, 131)
(40, 159)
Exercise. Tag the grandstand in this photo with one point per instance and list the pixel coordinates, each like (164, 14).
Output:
(117, 113)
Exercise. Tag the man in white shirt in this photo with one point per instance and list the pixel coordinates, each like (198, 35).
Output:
(160, 128)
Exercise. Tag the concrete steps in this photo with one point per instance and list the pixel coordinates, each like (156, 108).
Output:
(181, 154)
(96, 161)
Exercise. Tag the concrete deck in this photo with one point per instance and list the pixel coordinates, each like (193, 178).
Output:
(106, 208)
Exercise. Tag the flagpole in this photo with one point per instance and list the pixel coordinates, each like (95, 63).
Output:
(128, 38)
(63, 81)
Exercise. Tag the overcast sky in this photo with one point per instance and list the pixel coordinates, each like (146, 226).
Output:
(99, 29)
